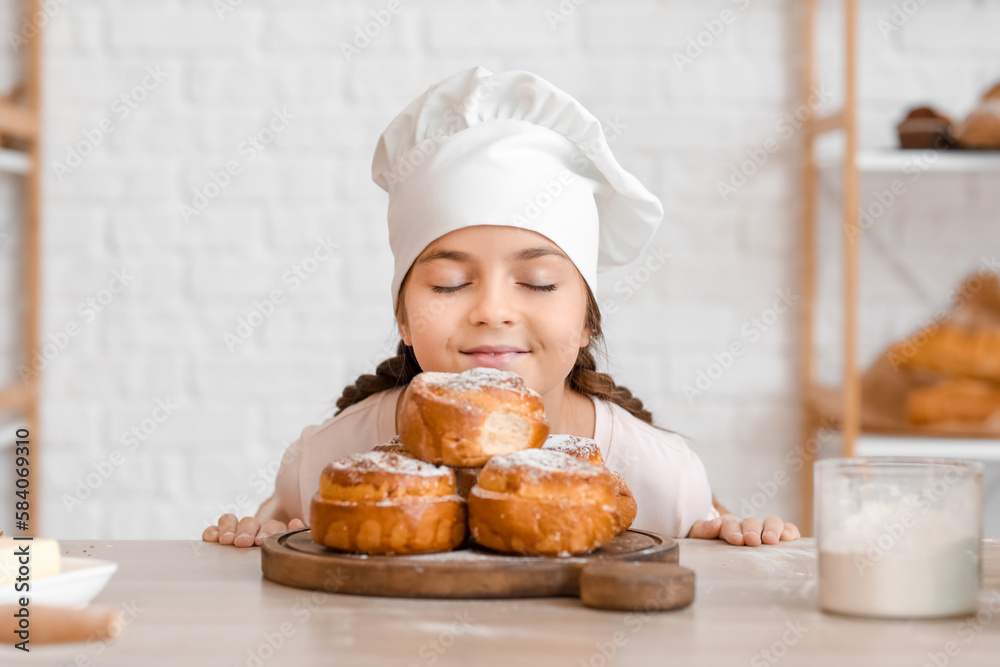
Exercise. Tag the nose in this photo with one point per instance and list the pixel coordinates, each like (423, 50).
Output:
(494, 304)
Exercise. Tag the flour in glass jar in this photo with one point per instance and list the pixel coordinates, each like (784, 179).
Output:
(900, 559)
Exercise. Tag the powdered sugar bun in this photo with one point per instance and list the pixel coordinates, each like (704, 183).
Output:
(543, 502)
(380, 502)
(462, 419)
(584, 449)
(390, 462)
(376, 476)
(478, 379)
(394, 446)
(587, 449)
(546, 469)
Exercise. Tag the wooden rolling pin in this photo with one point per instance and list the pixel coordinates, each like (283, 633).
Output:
(50, 625)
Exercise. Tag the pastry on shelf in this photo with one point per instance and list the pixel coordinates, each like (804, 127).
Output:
(981, 128)
(925, 127)
(952, 350)
(954, 400)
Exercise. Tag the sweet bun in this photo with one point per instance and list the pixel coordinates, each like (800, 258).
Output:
(981, 128)
(925, 127)
(386, 503)
(953, 400)
(953, 350)
(393, 446)
(462, 419)
(624, 503)
(584, 449)
(588, 451)
(543, 502)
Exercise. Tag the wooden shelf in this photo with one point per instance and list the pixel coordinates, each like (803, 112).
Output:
(844, 121)
(842, 407)
(986, 448)
(18, 122)
(827, 405)
(16, 397)
(895, 160)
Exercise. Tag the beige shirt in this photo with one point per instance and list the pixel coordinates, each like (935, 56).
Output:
(668, 479)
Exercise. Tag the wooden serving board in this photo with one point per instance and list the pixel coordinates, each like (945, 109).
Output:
(294, 559)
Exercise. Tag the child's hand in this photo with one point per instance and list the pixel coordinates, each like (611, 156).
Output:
(749, 532)
(248, 532)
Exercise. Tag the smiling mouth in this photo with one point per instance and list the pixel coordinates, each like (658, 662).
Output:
(496, 359)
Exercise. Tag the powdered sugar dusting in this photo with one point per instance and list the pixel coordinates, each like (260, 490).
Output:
(544, 460)
(388, 462)
(475, 379)
(576, 446)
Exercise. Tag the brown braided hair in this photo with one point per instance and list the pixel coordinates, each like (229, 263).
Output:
(584, 378)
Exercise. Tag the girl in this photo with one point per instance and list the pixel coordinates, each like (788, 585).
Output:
(504, 201)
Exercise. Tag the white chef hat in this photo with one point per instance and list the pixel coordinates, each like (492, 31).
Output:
(511, 149)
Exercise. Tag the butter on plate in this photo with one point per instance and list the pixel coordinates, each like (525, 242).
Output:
(43, 558)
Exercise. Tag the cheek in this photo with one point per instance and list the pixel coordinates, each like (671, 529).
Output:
(430, 315)
(561, 332)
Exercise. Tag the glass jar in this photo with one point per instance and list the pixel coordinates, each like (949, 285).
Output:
(899, 537)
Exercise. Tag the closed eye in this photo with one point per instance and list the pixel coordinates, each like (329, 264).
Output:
(438, 288)
(536, 288)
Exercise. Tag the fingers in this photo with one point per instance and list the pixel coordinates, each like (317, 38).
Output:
(246, 532)
(272, 526)
(773, 529)
(706, 529)
(790, 532)
(268, 528)
(227, 528)
(731, 531)
(751, 531)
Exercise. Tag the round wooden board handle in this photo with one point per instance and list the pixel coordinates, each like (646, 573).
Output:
(636, 586)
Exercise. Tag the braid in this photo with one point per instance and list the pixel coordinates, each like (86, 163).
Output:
(587, 380)
(391, 373)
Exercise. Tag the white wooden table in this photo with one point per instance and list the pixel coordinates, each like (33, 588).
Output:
(194, 603)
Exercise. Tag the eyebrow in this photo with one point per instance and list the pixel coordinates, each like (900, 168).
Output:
(519, 256)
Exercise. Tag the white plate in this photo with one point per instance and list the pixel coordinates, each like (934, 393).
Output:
(78, 582)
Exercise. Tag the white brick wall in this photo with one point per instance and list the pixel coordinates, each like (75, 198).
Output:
(162, 337)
